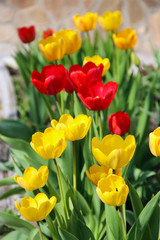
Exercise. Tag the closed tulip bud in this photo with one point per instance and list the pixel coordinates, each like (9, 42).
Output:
(135, 59)
(113, 152)
(154, 142)
(97, 172)
(50, 144)
(26, 34)
(33, 179)
(52, 48)
(112, 190)
(74, 128)
(119, 123)
(72, 40)
(85, 23)
(110, 21)
(97, 60)
(125, 39)
(36, 209)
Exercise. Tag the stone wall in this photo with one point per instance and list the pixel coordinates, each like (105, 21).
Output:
(142, 15)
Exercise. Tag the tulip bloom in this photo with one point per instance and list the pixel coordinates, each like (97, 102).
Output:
(47, 33)
(97, 96)
(97, 172)
(74, 128)
(72, 40)
(33, 179)
(113, 152)
(85, 23)
(97, 60)
(125, 39)
(154, 142)
(26, 34)
(110, 21)
(119, 123)
(112, 190)
(51, 80)
(86, 74)
(50, 144)
(52, 48)
(36, 209)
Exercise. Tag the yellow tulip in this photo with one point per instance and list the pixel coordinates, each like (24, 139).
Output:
(97, 172)
(72, 40)
(154, 142)
(97, 60)
(49, 144)
(85, 23)
(110, 21)
(74, 128)
(52, 48)
(36, 209)
(112, 190)
(33, 179)
(125, 39)
(113, 152)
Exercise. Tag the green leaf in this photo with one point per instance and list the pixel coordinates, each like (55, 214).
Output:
(15, 129)
(66, 235)
(16, 223)
(113, 224)
(137, 230)
(7, 181)
(15, 235)
(11, 192)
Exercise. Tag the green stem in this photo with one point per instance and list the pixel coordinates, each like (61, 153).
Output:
(49, 109)
(100, 125)
(52, 228)
(127, 64)
(31, 58)
(58, 105)
(74, 170)
(62, 102)
(40, 233)
(61, 190)
(70, 60)
(121, 211)
(117, 66)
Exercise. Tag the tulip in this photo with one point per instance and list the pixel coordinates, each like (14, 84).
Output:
(110, 21)
(36, 209)
(27, 34)
(50, 144)
(85, 23)
(74, 128)
(52, 48)
(97, 96)
(33, 179)
(47, 33)
(97, 172)
(119, 123)
(51, 80)
(72, 40)
(125, 39)
(86, 74)
(112, 190)
(113, 152)
(97, 60)
(154, 142)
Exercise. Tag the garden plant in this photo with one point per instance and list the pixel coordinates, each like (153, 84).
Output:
(85, 147)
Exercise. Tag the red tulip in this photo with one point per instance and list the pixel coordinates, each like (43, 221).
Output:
(86, 74)
(47, 33)
(27, 34)
(119, 123)
(97, 96)
(51, 80)
(69, 87)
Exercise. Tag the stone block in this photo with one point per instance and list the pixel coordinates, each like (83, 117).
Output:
(21, 3)
(109, 5)
(6, 14)
(136, 11)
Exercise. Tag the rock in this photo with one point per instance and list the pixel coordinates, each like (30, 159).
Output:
(136, 11)
(154, 23)
(6, 14)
